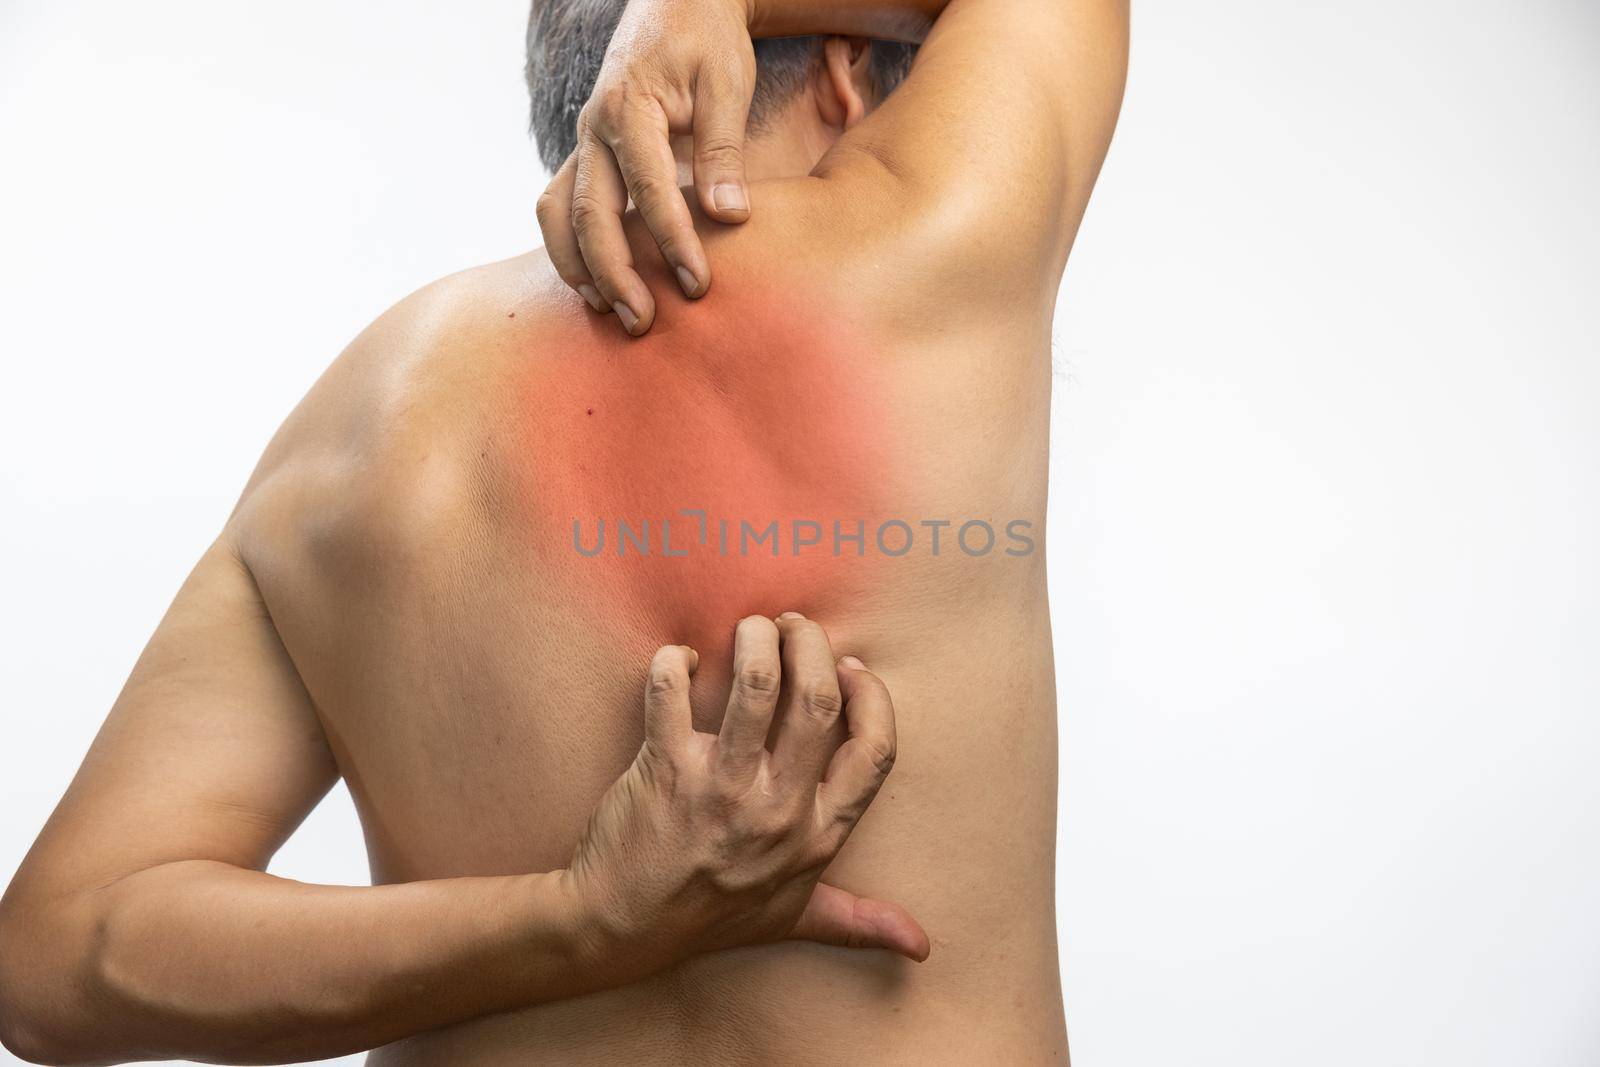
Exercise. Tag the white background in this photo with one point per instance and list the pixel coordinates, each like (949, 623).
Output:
(1325, 464)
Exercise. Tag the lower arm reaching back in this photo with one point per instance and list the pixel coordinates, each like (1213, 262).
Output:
(202, 960)
(706, 842)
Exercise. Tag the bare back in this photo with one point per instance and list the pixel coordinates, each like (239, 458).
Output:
(447, 576)
(481, 522)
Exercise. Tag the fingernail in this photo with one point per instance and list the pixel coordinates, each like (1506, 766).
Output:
(686, 278)
(728, 197)
(791, 615)
(851, 662)
(592, 295)
(625, 313)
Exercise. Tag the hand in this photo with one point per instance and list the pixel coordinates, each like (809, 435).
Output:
(710, 842)
(673, 67)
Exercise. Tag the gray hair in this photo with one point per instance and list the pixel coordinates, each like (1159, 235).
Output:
(567, 40)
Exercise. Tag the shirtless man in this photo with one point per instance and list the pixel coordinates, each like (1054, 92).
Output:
(446, 577)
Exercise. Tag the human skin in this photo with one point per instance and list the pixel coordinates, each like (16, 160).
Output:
(707, 841)
(775, 415)
(392, 602)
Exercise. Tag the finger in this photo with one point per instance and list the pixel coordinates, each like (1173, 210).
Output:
(650, 172)
(560, 239)
(598, 201)
(836, 917)
(668, 721)
(721, 114)
(808, 714)
(862, 763)
(757, 671)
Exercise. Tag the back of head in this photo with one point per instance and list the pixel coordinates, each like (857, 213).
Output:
(567, 42)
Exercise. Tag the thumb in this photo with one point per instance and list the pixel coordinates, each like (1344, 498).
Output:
(835, 917)
(720, 115)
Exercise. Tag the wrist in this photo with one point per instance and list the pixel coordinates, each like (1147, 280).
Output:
(601, 948)
(547, 933)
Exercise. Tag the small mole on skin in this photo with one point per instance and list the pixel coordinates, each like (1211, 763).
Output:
(591, 411)
(512, 315)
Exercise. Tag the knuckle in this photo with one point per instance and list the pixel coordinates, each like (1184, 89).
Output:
(718, 146)
(546, 209)
(665, 680)
(881, 754)
(617, 106)
(823, 703)
(739, 880)
(586, 226)
(781, 830)
(587, 214)
(765, 825)
(602, 113)
(644, 187)
(801, 822)
(841, 820)
(636, 89)
(758, 678)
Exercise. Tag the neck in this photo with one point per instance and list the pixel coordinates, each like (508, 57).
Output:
(785, 150)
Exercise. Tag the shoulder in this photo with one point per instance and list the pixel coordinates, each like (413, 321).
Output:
(385, 452)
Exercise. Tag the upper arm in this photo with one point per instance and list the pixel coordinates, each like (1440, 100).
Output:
(985, 157)
(213, 751)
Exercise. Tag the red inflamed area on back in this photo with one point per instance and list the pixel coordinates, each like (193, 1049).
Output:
(720, 466)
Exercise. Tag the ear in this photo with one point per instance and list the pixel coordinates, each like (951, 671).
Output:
(844, 81)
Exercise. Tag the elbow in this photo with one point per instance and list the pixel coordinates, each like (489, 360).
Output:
(26, 1036)
(15, 1037)
(18, 1028)
(38, 1022)
(35, 1035)
(23, 1032)
(25, 1044)
(35, 1047)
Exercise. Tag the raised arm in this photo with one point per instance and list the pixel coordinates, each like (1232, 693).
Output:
(142, 924)
(983, 161)
(978, 168)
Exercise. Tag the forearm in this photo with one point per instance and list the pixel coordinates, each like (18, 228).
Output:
(887, 20)
(206, 961)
